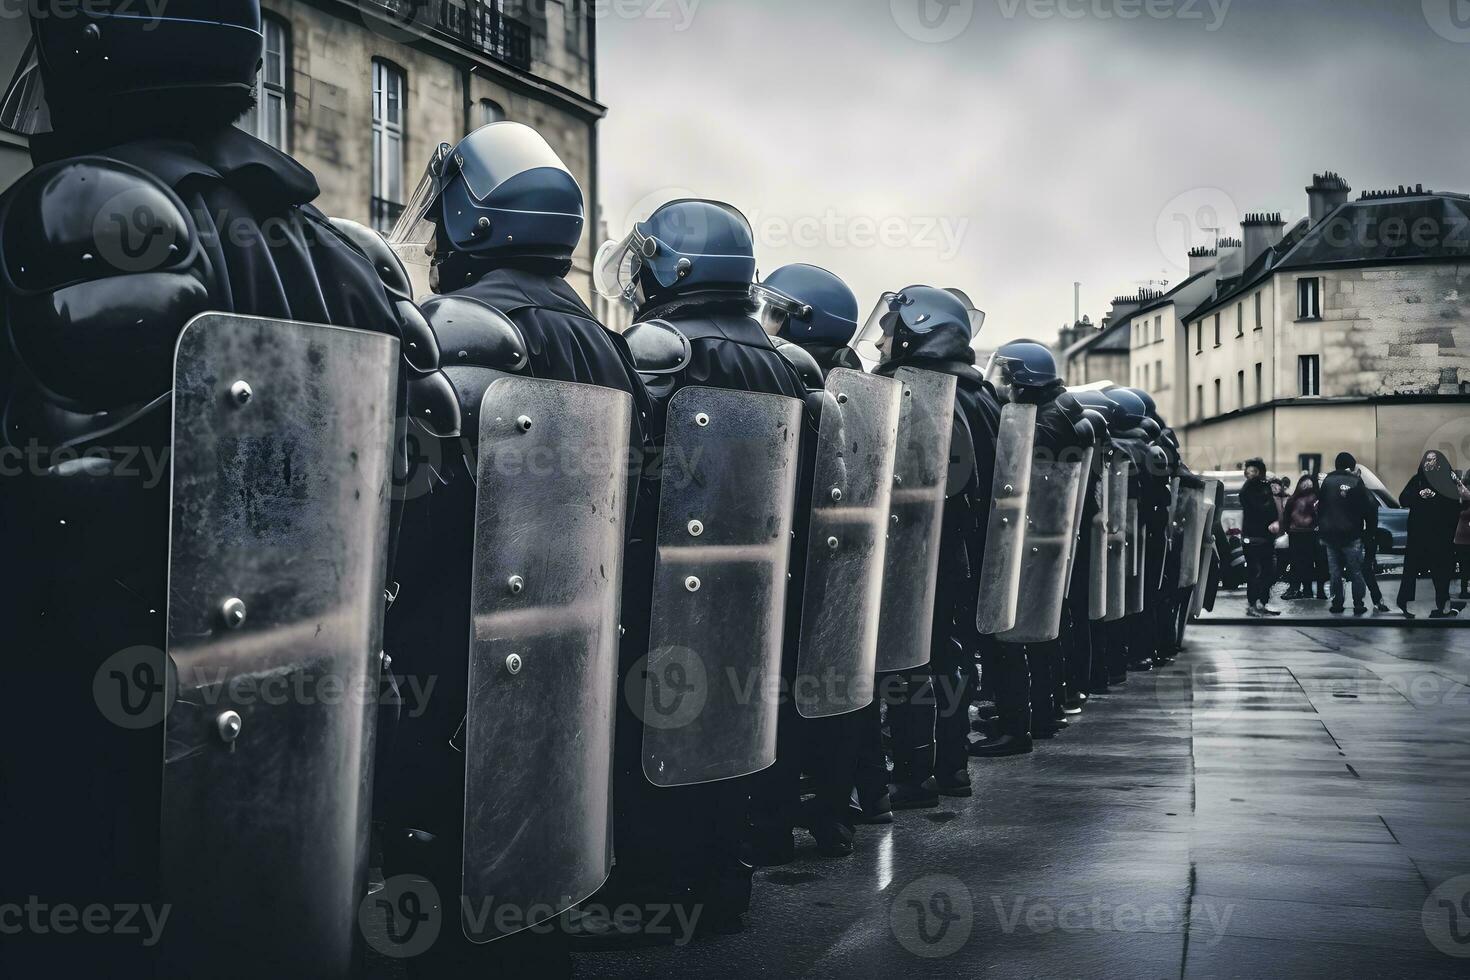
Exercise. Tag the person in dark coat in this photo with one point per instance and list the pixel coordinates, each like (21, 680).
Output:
(1347, 516)
(1258, 514)
(1299, 521)
(146, 207)
(1433, 500)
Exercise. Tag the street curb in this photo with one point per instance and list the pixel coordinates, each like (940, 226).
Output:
(1345, 622)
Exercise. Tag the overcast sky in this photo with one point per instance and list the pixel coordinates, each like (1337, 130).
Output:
(1012, 147)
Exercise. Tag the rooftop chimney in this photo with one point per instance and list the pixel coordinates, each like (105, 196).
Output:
(1201, 259)
(1228, 263)
(1326, 194)
(1259, 232)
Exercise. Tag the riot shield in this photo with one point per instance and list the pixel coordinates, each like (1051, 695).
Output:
(1000, 569)
(1171, 535)
(911, 562)
(846, 541)
(282, 464)
(1118, 550)
(1137, 559)
(1051, 509)
(1207, 553)
(719, 585)
(1190, 523)
(1099, 540)
(1078, 531)
(543, 657)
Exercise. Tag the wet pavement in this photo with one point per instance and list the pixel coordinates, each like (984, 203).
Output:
(1280, 802)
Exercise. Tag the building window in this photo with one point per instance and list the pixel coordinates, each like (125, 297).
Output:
(1217, 330)
(1259, 324)
(1219, 400)
(1309, 299)
(1199, 337)
(390, 88)
(1158, 329)
(1199, 401)
(1240, 389)
(270, 118)
(1310, 463)
(1240, 319)
(1158, 375)
(1260, 382)
(491, 112)
(1309, 375)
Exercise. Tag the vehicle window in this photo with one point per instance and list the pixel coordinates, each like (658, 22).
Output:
(1232, 500)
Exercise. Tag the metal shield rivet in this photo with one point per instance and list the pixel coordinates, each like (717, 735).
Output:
(836, 494)
(228, 724)
(841, 399)
(517, 585)
(1009, 488)
(701, 420)
(1005, 520)
(696, 528)
(692, 584)
(241, 393)
(513, 664)
(895, 519)
(234, 613)
(897, 480)
(833, 543)
(1036, 551)
(524, 423)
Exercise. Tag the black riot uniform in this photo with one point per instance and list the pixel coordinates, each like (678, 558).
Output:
(132, 222)
(695, 327)
(927, 709)
(1077, 625)
(497, 312)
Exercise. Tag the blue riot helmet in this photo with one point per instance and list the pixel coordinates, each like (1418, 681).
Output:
(86, 55)
(1094, 400)
(1150, 406)
(1022, 369)
(684, 247)
(806, 304)
(921, 321)
(502, 191)
(1134, 408)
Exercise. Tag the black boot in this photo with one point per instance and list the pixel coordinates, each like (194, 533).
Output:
(997, 748)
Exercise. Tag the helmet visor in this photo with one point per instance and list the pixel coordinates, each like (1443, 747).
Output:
(774, 309)
(23, 110)
(615, 271)
(872, 341)
(414, 226)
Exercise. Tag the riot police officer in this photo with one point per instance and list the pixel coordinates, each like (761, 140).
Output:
(931, 329)
(1028, 678)
(682, 799)
(147, 207)
(501, 217)
(1152, 471)
(812, 316)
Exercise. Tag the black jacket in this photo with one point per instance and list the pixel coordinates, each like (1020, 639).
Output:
(1345, 507)
(1258, 510)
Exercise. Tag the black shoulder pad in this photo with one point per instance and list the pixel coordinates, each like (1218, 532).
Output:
(420, 346)
(473, 334)
(806, 365)
(88, 219)
(658, 347)
(386, 262)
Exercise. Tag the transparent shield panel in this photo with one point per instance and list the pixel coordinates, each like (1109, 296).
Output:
(1118, 470)
(1051, 510)
(719, 589)
(846, 541)
(282, 458)
(1099, 541)
(1136, 559)
(543, 660)
(1000, 571)
(911, 562)
(1191, 531)
(1207, 555)
(1079, 532)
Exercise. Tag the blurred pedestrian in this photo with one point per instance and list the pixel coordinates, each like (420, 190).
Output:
(1462, 536)
(1433, 500)
(1346, 518)
(1370, 552)
(1300, 523)
(1258, 516)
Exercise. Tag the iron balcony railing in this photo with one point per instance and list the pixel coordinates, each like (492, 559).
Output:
(478, 24)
